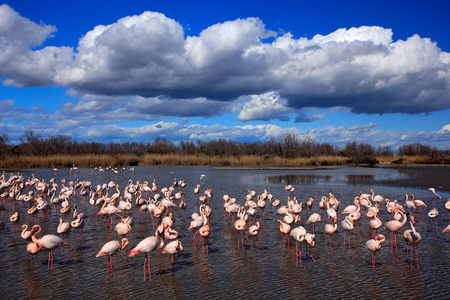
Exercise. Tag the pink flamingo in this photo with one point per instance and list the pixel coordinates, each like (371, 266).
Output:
(122, 228)
(109, 210)
(26, 234)
(413, 238)
(48, 241)
(15, 219)
(78, 225)
(285, 228)
(434, 213)
(170, 233)
(309, 241)
(254, 231)
(111, 248)
(433, 190)
(33, 249)
(204, 233)
(240, 226)
(330, 229)
(419, 203)
(347, 225)
(298, 233)
(146, 246)
(374, 245)
(394, 226)
(63, 228)
(314, 218)
(172, 248)
(375, 223)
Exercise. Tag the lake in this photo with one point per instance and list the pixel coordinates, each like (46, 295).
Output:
(268, 271)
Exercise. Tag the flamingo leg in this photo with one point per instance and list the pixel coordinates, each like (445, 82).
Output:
(417, 257)
(145, 262)
(310, 254)
(344, 243)
(149, 270)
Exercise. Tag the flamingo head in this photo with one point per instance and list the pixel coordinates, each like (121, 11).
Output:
(35, 229)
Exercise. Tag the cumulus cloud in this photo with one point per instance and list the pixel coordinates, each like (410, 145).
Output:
(263, 107)
(20, 62)
(148, 56)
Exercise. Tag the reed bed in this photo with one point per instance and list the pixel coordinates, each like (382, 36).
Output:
(120, 160)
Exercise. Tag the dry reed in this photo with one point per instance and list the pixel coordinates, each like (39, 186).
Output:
(118, 160)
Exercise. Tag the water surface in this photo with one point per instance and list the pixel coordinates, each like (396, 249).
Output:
(226, 273)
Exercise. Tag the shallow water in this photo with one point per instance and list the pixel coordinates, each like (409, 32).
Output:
(226, 273)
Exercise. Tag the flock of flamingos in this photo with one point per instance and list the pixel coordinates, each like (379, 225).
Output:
(50, 201)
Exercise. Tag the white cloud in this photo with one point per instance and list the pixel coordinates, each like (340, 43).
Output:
(147, 55)
(262, 107)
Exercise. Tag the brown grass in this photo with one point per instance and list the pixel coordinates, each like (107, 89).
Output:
(191, 160)
(412, 160)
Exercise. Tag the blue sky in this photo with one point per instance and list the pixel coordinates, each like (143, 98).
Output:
(372, 71)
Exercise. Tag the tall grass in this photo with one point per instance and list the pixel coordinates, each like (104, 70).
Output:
(119, 160)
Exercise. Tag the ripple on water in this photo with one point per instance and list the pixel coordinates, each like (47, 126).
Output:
(226, 273)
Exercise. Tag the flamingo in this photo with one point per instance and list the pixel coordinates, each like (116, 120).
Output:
(309, 241)
(276, 202)
(196, 223)
(78, 225)
(15, 219)
(63, 228)
(254, 231)
(331, 212)
(330, 229)
(204, 233)
(409, 204)
(352, 208)
(314, 218)
(434, 213)
(48, 241)
(374, 245)
(413, 238)
(347, 225)
(418, 202)
(170, 233)
(309, 204)
(172, 248)
(394, 226)
(298, 233)
(109, 210)
(26, 234)
(78, 214)
(33, 249)
(122, 228)
(285, 228)
(240, 226)
(375, 223)
(377, 198)
(147, 246)
(433, 190)
(111, 248)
